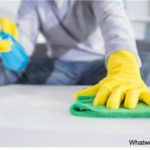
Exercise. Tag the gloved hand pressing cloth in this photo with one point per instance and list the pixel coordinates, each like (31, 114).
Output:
(122, 93)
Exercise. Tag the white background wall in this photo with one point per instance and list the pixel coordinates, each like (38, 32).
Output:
(138, 10)
(9, 8)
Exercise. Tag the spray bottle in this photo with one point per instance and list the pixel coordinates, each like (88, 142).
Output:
(16, 59)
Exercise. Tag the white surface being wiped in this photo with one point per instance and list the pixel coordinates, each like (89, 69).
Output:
(39, 116)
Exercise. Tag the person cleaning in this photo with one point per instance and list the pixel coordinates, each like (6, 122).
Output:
(75, 32)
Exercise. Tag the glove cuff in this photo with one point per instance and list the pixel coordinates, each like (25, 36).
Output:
(8, 26)
(123, 61)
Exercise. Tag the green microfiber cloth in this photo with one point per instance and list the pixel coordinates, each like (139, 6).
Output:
(83, 107)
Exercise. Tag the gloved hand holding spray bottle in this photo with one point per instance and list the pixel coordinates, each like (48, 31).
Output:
(12, 54)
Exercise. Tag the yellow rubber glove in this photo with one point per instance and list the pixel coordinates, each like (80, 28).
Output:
(8, 26)
(5, 45)
(122, 83)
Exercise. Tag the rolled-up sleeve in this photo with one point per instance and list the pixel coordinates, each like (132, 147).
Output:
(116, 27)
(28, 25)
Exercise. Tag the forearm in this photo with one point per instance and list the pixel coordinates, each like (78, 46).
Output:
(28, 25)
(116, 27)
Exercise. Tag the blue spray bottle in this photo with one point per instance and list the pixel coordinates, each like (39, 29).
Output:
(16, 59)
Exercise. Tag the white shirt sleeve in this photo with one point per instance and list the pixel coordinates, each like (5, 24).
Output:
(28, 25)
(115, 25)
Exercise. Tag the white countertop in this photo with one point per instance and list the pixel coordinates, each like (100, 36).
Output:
(39, 116)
